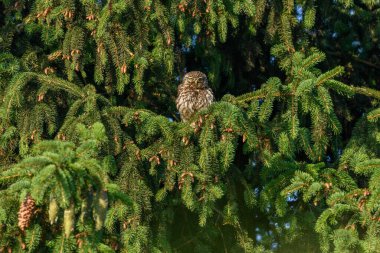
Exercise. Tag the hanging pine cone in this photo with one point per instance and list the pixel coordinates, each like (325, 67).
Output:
(101, 207)
(69, 219)
(26, 212)
(53, 211)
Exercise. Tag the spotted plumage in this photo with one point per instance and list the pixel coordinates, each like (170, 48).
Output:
(193, 94)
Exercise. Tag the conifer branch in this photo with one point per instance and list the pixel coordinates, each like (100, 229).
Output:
(367, 92)
(120, 174)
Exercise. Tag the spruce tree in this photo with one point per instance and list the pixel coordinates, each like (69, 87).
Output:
(94, 158)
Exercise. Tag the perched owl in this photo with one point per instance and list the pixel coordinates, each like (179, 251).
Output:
(193, 94)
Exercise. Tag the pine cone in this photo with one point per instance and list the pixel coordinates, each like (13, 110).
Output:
(53, 211)
(101, 207)
(26, 212)
(69, 219)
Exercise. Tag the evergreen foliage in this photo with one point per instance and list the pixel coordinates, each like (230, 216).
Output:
(287, 159)
(61, 176)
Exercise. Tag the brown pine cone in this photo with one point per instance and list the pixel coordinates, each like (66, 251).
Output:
(26, 212)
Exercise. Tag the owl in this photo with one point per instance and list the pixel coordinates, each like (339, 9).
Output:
(193, 94)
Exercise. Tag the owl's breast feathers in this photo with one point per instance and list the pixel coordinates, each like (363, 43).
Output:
(190, 100)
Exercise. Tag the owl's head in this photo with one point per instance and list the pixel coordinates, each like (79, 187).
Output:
(195, 80)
